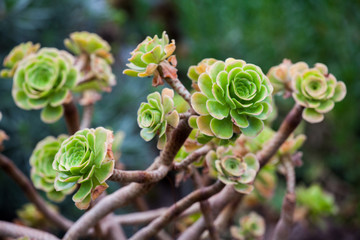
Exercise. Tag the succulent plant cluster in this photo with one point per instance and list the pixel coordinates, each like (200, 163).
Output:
(147, 56)
(234, 170)
(86, 159)
(43, 81)
(30, 216)
(233, 95)
(252, 227)
(42, 173)
(156, 115)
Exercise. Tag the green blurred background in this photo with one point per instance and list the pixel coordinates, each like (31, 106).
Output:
(260, 32)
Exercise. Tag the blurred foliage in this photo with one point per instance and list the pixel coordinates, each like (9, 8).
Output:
(260, 32)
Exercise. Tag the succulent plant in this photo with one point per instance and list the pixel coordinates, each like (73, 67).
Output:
(86, 159)
(42, 174)
(155, 115)
(233, 95)
(148, 55)
(195, 71)
(99, 76)
(43, 81)
(234, 170)
(30, 216)
(281, 76)
(252, 227)
(89, 44)
(317, 90)
(18, 53)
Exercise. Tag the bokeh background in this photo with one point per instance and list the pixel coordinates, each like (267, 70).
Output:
(260, 32)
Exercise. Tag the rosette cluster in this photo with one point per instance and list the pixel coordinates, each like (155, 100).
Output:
(148, 54)
(42, 174)
(86, 159)
(43, 81)
(15, 56)
(234, 170)
(233, 95)
(252, 226)
(155, 116)
(317, 90)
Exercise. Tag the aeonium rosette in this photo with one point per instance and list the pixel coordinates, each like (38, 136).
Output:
(42, 174)
(233, 95)
(86, 159)
(317, 90)
(43, 81)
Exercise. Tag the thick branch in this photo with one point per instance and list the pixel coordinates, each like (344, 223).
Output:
(71, 117)
(205, 208)
(10, 168)
(123, 176)
(179, 88)
(126, 194)
(284, 226)
(156, 225)
(289, 124)
(194, 156)
(15, 231)
(87, 116)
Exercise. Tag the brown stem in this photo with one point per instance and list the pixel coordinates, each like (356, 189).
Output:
(123, 176)
(87, 116)
(15, 231)
(194, 156)
(131, 191)
(10, 168)
(224, 219)
(285, 224)
(179, 88)
(289, 124)
(71, 117)
(205, 208)
(156, 225)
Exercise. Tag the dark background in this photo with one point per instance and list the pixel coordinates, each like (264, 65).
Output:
(260, 32)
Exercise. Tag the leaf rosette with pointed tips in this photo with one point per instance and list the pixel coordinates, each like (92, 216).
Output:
(148, 54)
(43, 81)
(86, 159)
(42, 173)
(234, 96)
(155, 116)
(89, 43)
(16, 55)
(317, 90)
(234, 170)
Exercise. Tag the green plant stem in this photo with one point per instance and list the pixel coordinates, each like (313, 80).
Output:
(25, 184)
(71, 117)
(180, 206)
(10, 230)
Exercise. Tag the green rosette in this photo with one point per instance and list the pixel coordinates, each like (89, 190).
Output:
(156, 115)
(252, 227)
(43, 81)
(42, 174)
(317, 90)
(234, 97)
(86, 159)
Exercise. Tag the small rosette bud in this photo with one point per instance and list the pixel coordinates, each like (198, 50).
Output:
(147, 55)
(86, 159)
(42, 174)
(30, 216)
(16, 55)
(195, 71)
(43, 81)
(89, 43)
(155, 115)
(234, 170)
(252, 226)
(317, 90)
(234, 96)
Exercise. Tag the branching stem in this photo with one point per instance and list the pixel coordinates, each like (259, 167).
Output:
(151, 176)
(71, 117)
(15, 231)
